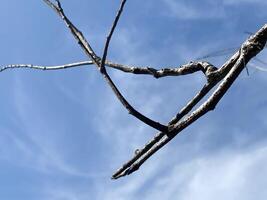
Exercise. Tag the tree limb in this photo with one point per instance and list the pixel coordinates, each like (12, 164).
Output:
(186, 69)
(97, 61)
(235, 65)
(225, 75)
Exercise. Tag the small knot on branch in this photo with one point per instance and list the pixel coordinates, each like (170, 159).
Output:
(209, 70)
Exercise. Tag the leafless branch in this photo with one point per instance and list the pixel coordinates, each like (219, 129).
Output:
(39, 67)
(113, 27)
(97, 61)
(224, 77)
(189, 68)
(230, 70)
(75, 31)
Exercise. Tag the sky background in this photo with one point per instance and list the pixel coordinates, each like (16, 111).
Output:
(63, 133)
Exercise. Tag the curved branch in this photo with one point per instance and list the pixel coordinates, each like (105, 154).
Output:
(186, 69)
(97, 61)
(113, 27)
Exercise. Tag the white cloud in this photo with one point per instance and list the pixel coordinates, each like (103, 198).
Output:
(227, 175)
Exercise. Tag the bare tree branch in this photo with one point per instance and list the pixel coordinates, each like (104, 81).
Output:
(236, 64)
(97, 61)
(75, 31)
(113, 27)
(224, 77)
(186, 69)
(39, 67)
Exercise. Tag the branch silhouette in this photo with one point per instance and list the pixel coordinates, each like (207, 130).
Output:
(223, 77)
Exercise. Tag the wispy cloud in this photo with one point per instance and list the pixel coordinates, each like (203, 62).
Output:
(186, 10)
(36, 149)
(230, 174)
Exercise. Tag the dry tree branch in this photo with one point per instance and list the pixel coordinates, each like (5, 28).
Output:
(188, 68)
(75, 31)
(39, 67)
(229, 71)
(226, 75)
(97, 61)
(192, 67)
(128, 167)
(113, 27)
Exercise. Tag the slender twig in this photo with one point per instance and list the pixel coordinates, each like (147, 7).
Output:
(113, 27)
(39, 67)
(116, 91)
(75, 31)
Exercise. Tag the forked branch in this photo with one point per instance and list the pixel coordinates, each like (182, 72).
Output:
(97, 61)
(229, 71)
(224, 76)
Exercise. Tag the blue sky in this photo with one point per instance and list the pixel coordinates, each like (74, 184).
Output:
(63, 133)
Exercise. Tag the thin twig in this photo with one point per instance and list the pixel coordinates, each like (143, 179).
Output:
(39, 67)
(113, 27)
